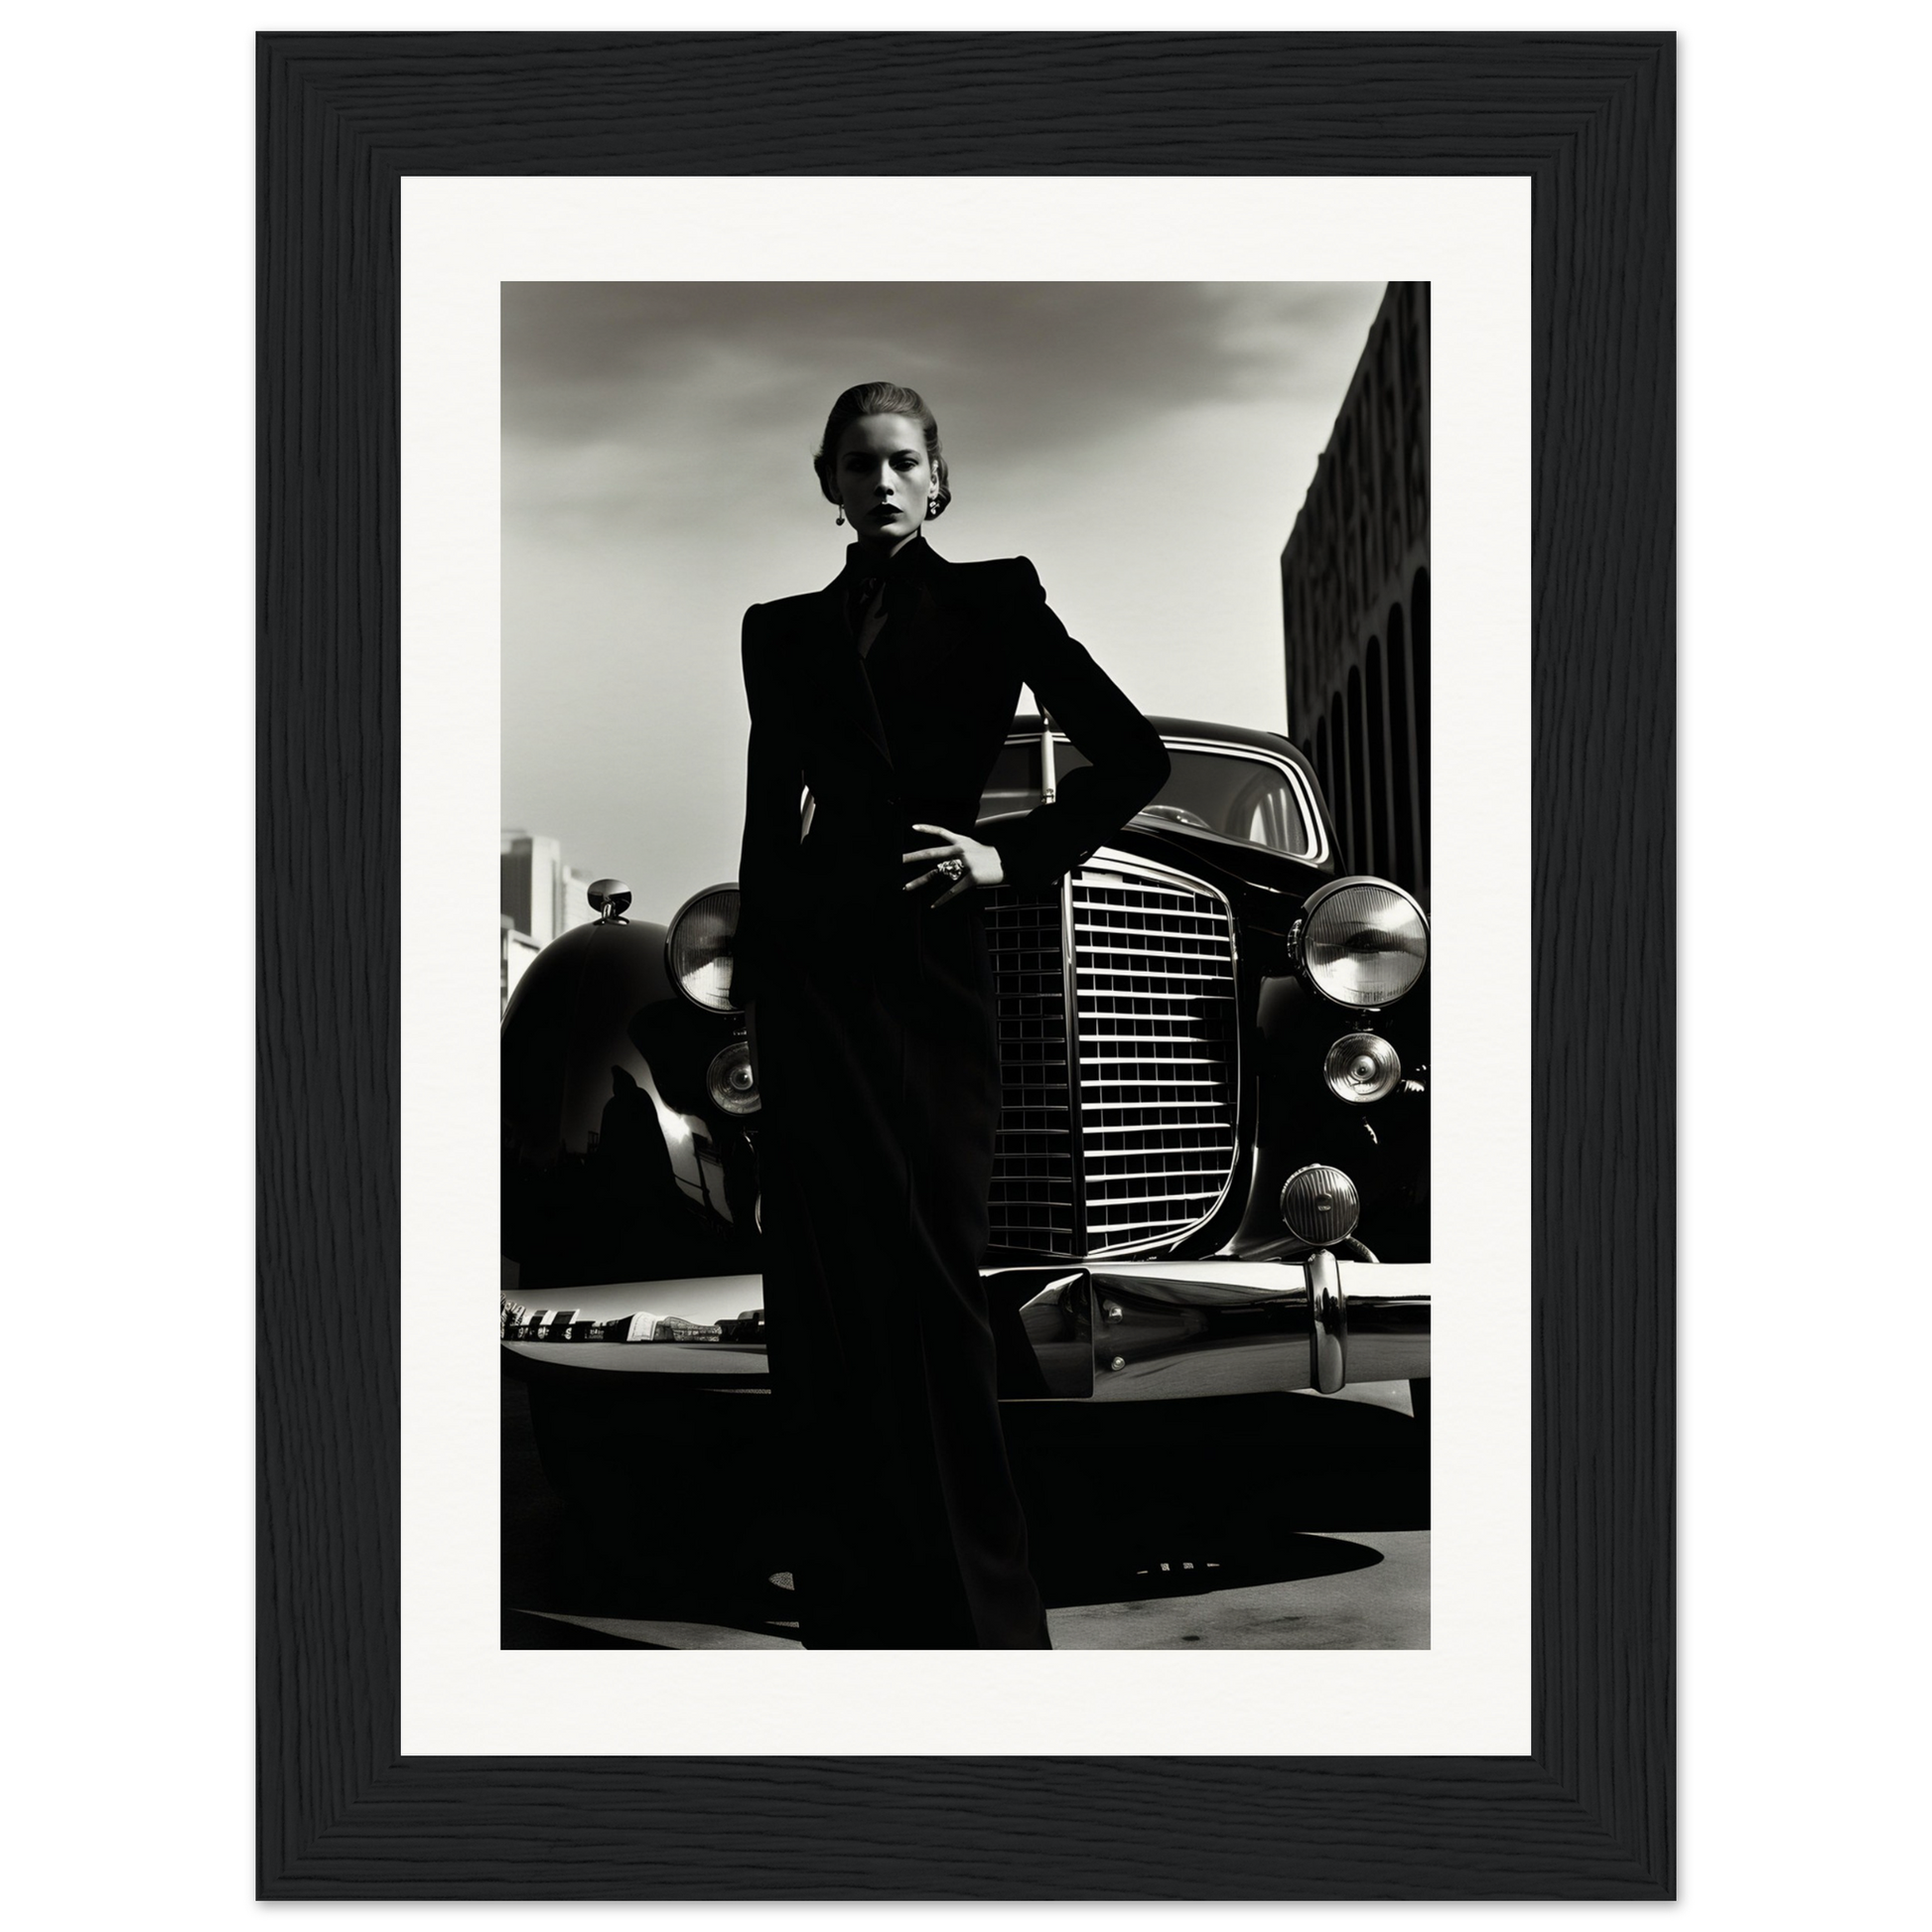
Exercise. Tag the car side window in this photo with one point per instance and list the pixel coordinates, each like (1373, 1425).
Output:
(1249, 799)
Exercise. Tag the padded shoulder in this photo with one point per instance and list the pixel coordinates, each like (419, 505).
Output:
(781, 611)
(1001, 576)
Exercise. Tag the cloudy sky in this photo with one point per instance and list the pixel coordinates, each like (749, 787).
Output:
(1147, 445)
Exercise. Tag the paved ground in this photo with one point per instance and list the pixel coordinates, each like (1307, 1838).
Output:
(1274, 1523)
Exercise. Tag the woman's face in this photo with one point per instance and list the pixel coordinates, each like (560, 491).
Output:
(882, 476)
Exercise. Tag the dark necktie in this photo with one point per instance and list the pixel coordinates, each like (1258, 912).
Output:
(857, 602)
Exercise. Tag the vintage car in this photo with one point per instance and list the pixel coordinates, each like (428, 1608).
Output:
(1212, 1166)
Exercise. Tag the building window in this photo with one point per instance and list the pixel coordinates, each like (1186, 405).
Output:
(1361, 846)
(1418, 662)
(1402, 752)
(1338, 781)
(1376, 724)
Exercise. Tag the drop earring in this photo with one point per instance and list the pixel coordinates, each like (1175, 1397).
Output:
(838, 522)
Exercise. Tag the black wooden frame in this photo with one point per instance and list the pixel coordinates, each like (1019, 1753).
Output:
(1591, 1812)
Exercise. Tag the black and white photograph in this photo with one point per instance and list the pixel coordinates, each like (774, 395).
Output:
(964, 961)
(1070, 650)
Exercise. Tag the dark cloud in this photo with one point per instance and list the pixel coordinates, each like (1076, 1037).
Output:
(1017, 362)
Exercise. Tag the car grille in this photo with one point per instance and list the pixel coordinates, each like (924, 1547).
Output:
(1129, 1141)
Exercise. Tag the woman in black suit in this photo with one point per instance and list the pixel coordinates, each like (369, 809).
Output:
(862, 962)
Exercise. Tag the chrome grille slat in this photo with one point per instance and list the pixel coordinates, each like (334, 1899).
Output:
(1164, 932)
(1163, 1059)
(1145, 973)
(1111, 966)
(1116, 1130)
(1212, 935)
(1207, 1107)
(1138, 1177)
(1159, 904)
(1214, 916)
(1180, 1088)
(1112, 1056)
(1142, 1201)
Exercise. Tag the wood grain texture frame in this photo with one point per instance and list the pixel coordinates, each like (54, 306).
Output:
(1590, 1813)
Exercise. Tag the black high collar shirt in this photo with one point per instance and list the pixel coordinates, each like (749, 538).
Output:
(901, 573)
(863, 562)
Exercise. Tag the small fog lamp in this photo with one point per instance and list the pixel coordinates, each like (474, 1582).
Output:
(1361, 1067)
(1321, 1205)
(734, 1086)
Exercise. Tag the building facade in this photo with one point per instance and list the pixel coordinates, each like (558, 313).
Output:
(1355, 603)
(542, 899)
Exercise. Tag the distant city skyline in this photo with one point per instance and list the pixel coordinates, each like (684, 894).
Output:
(541, 895)
(1147, 445)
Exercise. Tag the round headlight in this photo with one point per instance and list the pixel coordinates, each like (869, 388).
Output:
(1364, 942)
(699, 947)
(1361, 1067)
(734, 1086)
(1320, 1204)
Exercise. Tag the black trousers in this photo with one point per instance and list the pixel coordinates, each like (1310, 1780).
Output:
(875, 1042)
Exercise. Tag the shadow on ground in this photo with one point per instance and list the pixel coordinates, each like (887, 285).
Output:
(671, 1520)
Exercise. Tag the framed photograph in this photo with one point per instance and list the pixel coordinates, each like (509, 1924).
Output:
(1176, 1098)
(1326, 380)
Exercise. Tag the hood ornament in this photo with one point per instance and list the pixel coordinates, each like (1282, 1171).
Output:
(612, 899)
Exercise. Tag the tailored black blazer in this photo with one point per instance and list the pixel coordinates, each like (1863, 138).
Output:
(911, 732)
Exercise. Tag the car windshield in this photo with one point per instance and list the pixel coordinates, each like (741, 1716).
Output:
(1224, 792)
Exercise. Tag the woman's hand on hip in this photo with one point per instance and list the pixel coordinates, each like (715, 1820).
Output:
(982, 863)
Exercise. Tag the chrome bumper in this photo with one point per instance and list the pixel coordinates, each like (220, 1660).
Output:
(1100, 1331)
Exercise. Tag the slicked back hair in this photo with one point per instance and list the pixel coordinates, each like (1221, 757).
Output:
(880, 399)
